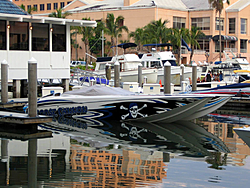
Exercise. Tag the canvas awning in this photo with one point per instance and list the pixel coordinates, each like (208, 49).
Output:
(225, 37)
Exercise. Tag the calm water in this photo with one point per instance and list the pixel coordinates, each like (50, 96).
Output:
(73, 153)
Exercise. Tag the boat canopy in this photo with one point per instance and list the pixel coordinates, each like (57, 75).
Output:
(97, 90)
(158, 45)
(126, 45)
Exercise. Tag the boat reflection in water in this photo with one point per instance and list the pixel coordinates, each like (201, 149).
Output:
(112, 154)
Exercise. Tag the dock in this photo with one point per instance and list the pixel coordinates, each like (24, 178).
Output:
(22, 118)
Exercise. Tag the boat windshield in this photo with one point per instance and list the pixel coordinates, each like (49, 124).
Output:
(172, 62)
(103, 66)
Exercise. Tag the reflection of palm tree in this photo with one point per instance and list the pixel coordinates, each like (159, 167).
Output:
(217, 160)
(218, 5)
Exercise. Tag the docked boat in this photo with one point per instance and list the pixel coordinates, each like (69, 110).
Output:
(102, 102)
(128, 66)
(159, 58)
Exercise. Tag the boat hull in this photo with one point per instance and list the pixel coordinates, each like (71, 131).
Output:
(152, 108)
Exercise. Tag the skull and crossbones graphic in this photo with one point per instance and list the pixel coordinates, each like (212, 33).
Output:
(133, 132)
(133, 111)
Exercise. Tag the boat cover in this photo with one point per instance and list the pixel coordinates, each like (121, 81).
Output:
(99, 90)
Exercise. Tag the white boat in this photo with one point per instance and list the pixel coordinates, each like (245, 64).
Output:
(129, 63)
(159, 58)
(244, 134)
(128, 68)
(102, 102)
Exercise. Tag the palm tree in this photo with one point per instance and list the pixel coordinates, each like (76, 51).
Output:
(218, 5)
(194, 35)
(156, 30)
(59, 14)
(114, 27)
(75, 30)
(139, 37)
(176, 40)
(86, 32)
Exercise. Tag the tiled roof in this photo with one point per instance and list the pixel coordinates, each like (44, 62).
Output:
(7, 7)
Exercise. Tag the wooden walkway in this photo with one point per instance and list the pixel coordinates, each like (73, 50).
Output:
(22, 118)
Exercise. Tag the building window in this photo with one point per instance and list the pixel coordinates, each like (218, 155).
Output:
(62, 4)
(202, 23)
(217, 26)
(48, 6)
(35, 7)
(59, 38)
(41, 7)
(2, 35)
(179, 22)
(243, 46)
(204, 45)
(68, 2)
(55, 6)
(231, 25)
(121, 23)
(243, 26)
(28, 7)
(19, 35)
(40, 37)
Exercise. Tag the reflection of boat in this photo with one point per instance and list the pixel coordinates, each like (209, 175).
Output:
(128, 66)
(101, 102)
(244, 134)
(182, 137)
(188, 134)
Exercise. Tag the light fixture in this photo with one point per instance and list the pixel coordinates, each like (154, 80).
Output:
(51, 29)
(31, 27)
(8, 26)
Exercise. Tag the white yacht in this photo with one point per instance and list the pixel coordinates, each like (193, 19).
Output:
(158, 59)
(128, 68)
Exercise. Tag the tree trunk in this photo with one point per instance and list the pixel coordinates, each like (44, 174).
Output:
(76, 48)
(220, 33)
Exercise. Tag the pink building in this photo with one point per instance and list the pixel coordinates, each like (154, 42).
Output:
(180, 13)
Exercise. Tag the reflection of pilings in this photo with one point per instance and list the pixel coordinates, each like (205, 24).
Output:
(4, 81)
(5, 157)
(32, 163)
(4, 150)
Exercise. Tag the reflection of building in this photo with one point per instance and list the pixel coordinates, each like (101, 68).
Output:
(239, 150)
(52, 159)
(118, 169)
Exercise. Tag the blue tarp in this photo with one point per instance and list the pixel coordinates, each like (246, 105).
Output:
(217, 62)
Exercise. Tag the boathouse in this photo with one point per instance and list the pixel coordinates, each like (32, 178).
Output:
(47, 39)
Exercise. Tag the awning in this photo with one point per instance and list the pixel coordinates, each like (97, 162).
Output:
(225, 37)
(183, 43)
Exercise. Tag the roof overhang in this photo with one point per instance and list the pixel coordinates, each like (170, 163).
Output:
(51, 20)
